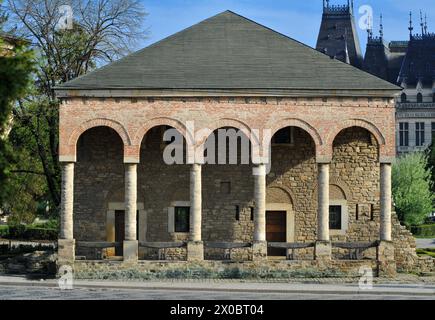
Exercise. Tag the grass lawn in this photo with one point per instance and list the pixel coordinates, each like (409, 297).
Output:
(426, 252)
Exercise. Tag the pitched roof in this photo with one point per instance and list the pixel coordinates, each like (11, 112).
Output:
(419, 62)
(228, 51)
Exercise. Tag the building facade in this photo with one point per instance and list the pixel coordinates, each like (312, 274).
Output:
(321, 199)
(409, 64)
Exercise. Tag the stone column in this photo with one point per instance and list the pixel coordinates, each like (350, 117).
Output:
(195, 246)
(66, 242)
(385, 250)
(260, 244)
(130, 243)
(386, 202)
(323, 245)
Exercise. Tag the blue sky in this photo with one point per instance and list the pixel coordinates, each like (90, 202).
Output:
(295, 18)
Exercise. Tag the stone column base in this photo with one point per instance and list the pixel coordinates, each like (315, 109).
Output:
(66, 251)
(131, 251)
(195, 251)
(259, 251)
(323, 250)
(386, 260)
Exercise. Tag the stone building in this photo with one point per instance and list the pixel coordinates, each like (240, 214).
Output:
(338, 36)
(409, 64)
(322, 200)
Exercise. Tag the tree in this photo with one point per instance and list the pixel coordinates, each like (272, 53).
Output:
(412, 188)
(100, 31)
(16, 67)
(431, 162)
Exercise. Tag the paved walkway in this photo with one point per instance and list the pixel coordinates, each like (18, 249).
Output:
(21, 288)
(425, 243)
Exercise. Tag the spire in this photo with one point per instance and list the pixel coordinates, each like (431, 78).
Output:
(369, 28)
(350, 5)
(346, 49)
(411, 28)
(425, 23)
(421, 23)
(381, 28)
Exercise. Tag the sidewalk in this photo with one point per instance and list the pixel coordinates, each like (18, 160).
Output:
(235, 286)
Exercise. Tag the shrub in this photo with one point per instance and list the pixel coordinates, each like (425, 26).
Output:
(17, 231)
(411, 186)
(4, 231)
(40, 234)
(20, 232)
(425, 230)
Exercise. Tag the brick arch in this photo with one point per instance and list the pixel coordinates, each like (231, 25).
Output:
(116, 126)
(373, 129)
(161, 121)
(233, 123)
(293, 122)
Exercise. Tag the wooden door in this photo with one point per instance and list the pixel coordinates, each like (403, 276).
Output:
(119, 232)
(276, 231)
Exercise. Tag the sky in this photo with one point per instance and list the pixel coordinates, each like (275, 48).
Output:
(298, 19)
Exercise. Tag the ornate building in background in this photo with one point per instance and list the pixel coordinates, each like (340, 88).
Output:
(410, 64)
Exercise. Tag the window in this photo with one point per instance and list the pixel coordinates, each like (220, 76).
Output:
(404, 134)
(335, 217)
(237, 213)
(252, 213)
(433, 131)
(403, 98)
(419, 98)
(182, 219)
(284, 136)
(419, 134)
(433, 97)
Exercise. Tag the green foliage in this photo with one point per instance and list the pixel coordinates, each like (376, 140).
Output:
(412, 189)
(425, 230)
(431, 162)
(426, 252)
(4, 231)
(51, 224)
(21, 232)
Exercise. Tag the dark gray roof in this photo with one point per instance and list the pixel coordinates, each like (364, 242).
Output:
(338, 31)
(419, 62)
(228, 51)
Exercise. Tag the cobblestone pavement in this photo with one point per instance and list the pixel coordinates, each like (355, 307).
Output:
(40, 293)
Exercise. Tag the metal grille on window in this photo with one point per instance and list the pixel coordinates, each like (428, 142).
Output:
(335, 217)
(182, 219)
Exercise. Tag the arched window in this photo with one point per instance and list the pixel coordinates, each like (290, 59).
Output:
(403, 97)
(419, 98)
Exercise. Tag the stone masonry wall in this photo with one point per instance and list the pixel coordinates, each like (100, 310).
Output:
(99, 180)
